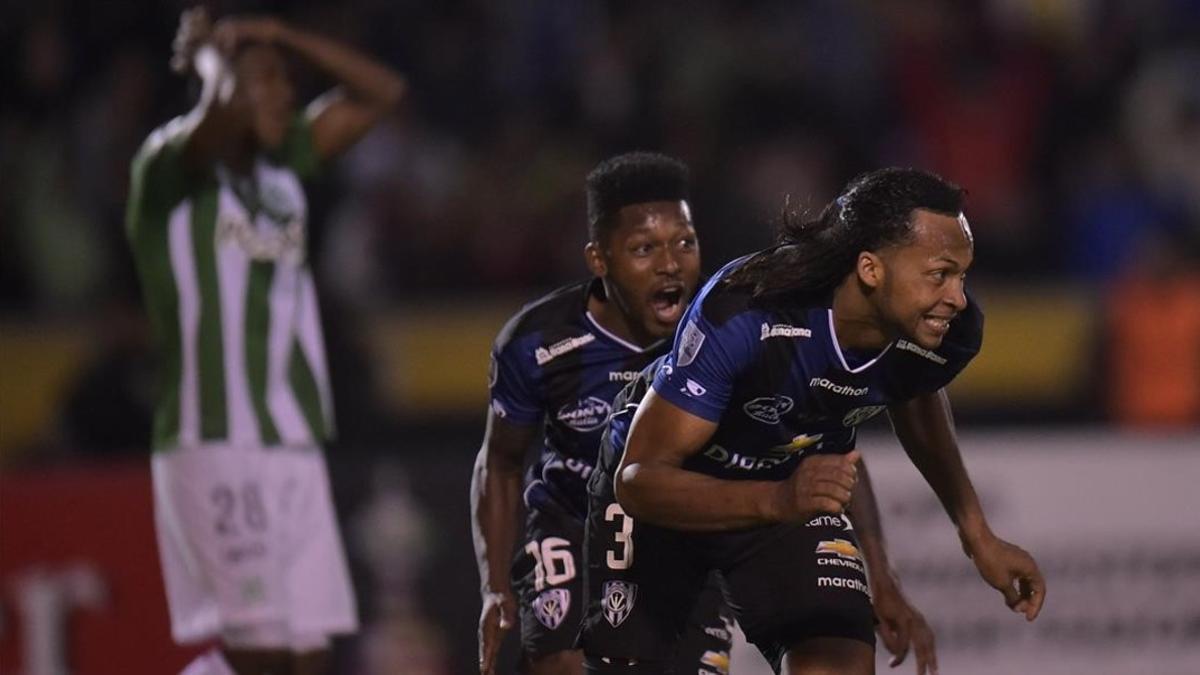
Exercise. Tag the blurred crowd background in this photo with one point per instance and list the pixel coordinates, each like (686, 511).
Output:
(1073, 124)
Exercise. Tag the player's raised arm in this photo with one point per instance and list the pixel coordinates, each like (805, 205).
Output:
(651, 485)
(925, 428)
(495, 498)
(367, 90)
(211, 122)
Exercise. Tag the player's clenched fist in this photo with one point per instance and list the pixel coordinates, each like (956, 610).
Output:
(821, 484)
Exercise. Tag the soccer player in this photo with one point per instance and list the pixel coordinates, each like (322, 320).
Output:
(559, 362)
(737, 453)
(217, 220)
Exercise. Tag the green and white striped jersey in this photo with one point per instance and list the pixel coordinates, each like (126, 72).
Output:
(229, 294)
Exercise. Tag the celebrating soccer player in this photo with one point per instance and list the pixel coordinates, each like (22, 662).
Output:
(737, 452)
(558, 363)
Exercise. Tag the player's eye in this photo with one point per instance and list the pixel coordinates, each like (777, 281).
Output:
(642, 249)
(938, 275)
(687, 244)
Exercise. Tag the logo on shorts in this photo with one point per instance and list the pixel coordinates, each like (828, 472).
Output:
(768, 409)
(840, 547)
(586, 415)
(689, 344)
(618, 601)
(551, 607)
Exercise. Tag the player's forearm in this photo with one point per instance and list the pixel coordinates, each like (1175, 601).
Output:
(495, 498)
(925, 428)
(364, 79)
(864, 514)
(685, 500)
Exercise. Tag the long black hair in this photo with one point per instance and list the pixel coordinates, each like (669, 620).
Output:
(811, 257)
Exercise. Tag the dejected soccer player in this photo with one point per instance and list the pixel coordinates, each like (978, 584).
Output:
(217, 219)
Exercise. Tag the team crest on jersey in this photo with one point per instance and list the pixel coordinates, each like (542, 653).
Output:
(769, 409)
(859, 415)
(585, 415)
(618, 601)
(690, 342)
(551, 607)
(269, 222)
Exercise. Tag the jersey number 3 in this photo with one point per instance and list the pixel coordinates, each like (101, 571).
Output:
(623, 559)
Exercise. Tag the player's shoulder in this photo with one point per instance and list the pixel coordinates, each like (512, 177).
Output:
(720, 301)
(558, 310)
(163, 139)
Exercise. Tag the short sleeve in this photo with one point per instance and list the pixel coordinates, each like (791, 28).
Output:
(298, 151)
(158, 177)
(706, 360)
(512, 382)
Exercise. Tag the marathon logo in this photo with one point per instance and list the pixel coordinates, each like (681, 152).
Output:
(545, 355)
(839, 547)
(783, 330)
(905, 345)
(849, 584)
(839, 389)
(622, 375)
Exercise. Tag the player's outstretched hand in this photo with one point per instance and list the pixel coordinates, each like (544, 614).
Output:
(821, 484)
(902, 626)
(1012, 571)
(497, 617)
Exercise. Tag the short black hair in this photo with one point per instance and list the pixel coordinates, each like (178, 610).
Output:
(631, 178)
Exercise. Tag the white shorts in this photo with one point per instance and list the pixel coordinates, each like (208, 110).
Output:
(248, 538)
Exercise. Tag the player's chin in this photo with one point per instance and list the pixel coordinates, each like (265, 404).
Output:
(662, 316)
(927, 338)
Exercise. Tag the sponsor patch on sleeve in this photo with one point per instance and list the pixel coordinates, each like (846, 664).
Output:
(689, 343)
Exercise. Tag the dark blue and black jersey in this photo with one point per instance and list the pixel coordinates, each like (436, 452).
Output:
(552, 364)
(778, 384)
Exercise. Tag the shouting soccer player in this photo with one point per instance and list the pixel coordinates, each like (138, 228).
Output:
(217, 219)
(558, 363)
(737, 453)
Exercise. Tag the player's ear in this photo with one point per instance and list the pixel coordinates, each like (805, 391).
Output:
(869, 268)
(594, 257)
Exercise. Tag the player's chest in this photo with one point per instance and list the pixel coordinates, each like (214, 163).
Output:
(579, 392)
(262, 216)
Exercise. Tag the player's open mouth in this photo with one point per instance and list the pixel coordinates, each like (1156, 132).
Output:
(937, 324)
(667, 303)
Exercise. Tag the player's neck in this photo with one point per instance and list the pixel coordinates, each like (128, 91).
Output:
(238, 155)
(855, 320)
(610, 317)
